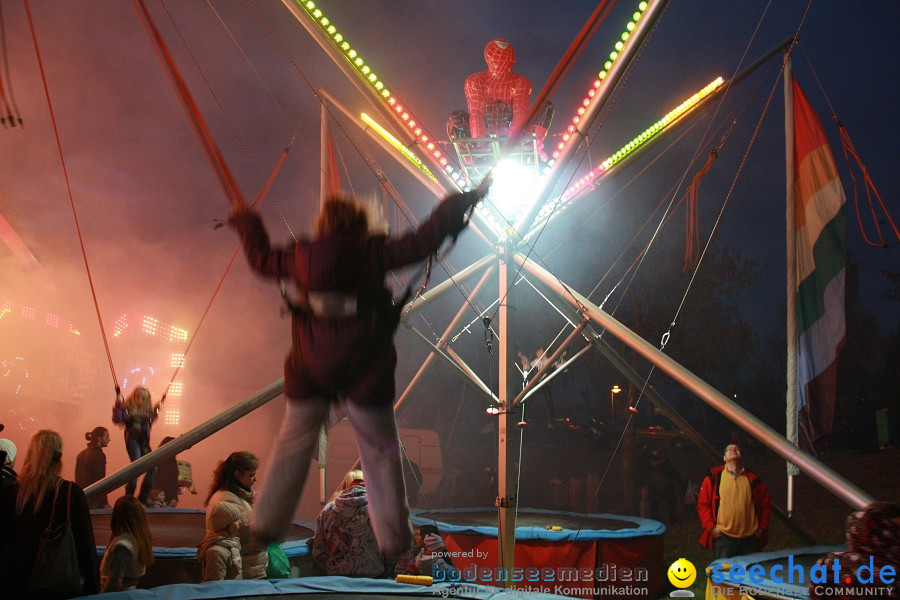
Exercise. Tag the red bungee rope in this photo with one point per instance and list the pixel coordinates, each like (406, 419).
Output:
(71, 197)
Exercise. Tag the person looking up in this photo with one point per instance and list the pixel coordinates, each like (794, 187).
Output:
(734, 507)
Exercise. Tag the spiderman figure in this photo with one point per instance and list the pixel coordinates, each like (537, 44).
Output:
(497, 98)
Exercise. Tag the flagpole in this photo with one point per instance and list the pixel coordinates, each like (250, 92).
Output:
(791, 246)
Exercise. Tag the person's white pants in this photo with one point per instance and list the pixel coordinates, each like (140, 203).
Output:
(288, 464)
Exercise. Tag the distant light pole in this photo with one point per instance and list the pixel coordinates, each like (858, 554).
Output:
(612, 402)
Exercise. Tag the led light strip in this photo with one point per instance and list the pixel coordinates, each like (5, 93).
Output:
(381, 89)
(670, 118)
(572, 128)
(643, 138)
(397, 145)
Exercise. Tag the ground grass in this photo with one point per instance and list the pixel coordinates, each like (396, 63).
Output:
(817, 512)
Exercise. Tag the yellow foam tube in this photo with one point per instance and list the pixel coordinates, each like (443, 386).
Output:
(415, 579)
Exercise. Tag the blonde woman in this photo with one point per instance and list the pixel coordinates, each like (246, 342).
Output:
(344, 542)
(343, 328)
(137, 414)
(130, 548)
(40, 493)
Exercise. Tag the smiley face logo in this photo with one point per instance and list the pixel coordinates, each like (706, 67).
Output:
(682, 573)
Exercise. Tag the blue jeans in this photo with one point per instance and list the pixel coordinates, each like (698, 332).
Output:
(135, 450)
(726, 547)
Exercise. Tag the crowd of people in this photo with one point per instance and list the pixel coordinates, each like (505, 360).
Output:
(36, 499)
(342, 357)
(733, 506)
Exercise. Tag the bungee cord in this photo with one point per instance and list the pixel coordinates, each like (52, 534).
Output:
(850, 151)
(62, 160)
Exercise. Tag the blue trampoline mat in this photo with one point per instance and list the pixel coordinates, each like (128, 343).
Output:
(806, 557)
(309, 588)
(178, 531)
(531, 524)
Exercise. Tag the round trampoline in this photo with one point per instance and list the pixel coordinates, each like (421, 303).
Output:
(780, 574)
(176, 534)
(562, 552)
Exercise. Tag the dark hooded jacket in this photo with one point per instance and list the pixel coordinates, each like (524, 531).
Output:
(350, 356)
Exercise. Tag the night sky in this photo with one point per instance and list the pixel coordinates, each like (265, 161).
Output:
(146, 197)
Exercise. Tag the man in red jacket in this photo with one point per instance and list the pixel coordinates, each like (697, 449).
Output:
(734, 507)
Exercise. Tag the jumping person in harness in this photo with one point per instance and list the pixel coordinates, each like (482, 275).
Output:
(343, 351)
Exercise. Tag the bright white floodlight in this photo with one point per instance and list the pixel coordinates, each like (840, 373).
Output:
(513, 192)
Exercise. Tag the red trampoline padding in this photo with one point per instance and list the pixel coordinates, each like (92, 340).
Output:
(466, 550)
(635, 562)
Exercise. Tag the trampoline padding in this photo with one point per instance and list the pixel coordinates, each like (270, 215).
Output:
(178, 531)
(322, 588)
(619, 545)
(805, 556)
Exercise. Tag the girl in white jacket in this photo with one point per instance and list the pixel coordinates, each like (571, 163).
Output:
(220, 551)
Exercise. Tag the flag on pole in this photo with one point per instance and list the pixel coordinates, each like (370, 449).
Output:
(820, 227)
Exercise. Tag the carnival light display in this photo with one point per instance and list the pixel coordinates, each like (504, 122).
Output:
(645, 136)
(572, 129)
(351, 54)
(397, 145)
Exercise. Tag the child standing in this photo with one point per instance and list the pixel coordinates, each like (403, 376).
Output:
(220, 551)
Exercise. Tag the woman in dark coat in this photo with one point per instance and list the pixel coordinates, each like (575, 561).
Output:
(35, 491)
(343, 349)
(90, 464)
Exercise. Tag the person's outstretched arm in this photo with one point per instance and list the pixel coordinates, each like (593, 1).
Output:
(263, 258)
(448, 219)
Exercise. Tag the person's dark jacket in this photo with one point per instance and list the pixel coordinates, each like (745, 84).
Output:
(353, 356)
(90, 467)
(22, 532)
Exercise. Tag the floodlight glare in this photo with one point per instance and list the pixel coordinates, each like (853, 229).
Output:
(514, 190)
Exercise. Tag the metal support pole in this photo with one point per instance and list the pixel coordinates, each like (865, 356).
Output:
(549, 364)
(507, 383)
(182, 443)
(822, 474)
(442, 343)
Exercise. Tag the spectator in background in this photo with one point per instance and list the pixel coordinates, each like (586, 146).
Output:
(220, 551)
(7, 478)
(733, 506)
(130, 548)
(664, 484)
(432, 551)
(233, 482)
(168, 481)
(90, 464)
(7, 461)
(344, 542)
(39, 495)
